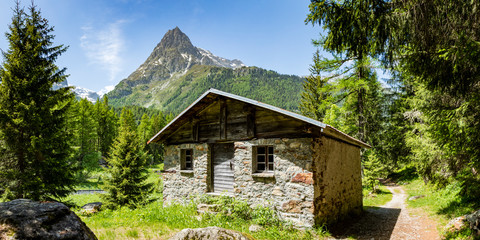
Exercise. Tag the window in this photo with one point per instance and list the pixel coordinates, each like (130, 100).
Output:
(187, 159)
(263, 159)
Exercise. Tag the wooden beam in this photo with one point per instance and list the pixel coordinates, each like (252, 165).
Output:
(251, 122)
(195, 129)
(223, 119)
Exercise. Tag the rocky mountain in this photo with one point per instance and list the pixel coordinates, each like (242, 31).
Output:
(80, 92)
(176, 73)
(90, 95)
(175, 54)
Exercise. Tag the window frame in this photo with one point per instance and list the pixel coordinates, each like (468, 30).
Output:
(186, 153)
(268, 156)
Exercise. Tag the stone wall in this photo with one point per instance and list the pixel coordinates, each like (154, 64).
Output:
(337, 180)
(289, 189)
(179, 185)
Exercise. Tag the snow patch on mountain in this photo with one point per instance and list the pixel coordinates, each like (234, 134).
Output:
(80, 92)
(219, 61)
(90, 95)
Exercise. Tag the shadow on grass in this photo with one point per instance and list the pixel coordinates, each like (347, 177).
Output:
(374, 223)
(381, 192)
(405, 175)
(466, 201)
(458, 207)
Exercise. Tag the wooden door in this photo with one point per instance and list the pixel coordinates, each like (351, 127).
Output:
(223, 167)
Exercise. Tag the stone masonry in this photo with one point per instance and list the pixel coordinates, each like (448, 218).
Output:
(180, 185)
(289, 189)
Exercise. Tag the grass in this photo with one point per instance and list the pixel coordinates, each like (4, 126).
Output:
(155, 221)
(442, 204)
(381, 197)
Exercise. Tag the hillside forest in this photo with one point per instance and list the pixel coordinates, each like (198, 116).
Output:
(423, 122)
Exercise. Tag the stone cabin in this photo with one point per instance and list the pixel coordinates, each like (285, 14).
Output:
(226, 144)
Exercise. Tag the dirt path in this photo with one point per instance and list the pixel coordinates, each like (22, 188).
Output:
(390, 221)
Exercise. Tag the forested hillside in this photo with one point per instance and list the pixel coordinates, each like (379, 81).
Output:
(174, 96)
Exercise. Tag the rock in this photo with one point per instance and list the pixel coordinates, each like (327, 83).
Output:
(455, 224)
(474, 221)
(416, 197)
(306, 178)
(210, 233)
(201, 208)
(255, 228)
(27, 219)
(277, 191)
(295, 145)
(92, 207)
(292, 206)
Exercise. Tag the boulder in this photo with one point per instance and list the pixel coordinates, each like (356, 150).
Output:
(474, 221)
(210, 233)
(91, 208)
(455, 224)
(27, 219)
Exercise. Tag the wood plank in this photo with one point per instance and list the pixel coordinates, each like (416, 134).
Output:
(223, 177)
(236, 131)
(223, 184)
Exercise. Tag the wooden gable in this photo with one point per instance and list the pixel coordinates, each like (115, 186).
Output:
(217, 116)
(229, 120)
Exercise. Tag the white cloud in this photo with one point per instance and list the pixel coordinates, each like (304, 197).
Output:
(105, 90)
(104, 47)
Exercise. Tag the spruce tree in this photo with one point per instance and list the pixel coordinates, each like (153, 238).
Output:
(84, 126)
(155, 149)
(144, 131)
(126, 186)
(34, 141)
(107, 126)
(315, 98)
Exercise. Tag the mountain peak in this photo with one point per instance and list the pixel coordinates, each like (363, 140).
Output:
(175, 38)
(175, 55)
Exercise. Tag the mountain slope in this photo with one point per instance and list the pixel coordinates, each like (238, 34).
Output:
(176, 73)
(175, 95)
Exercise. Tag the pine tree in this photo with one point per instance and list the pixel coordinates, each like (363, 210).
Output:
(155, 149)
(126, 186)
(84, 127)
(107, 126)
(373, 169)
(35, 143)
(316, 95)
(144, 130)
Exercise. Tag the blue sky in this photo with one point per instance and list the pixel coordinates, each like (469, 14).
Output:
(109, 39)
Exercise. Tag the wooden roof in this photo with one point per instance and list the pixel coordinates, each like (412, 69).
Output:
(212, 95)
